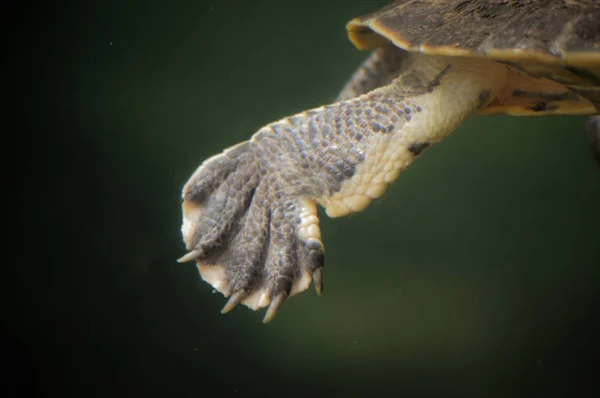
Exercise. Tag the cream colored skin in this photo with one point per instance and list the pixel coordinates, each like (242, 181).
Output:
(442, 108)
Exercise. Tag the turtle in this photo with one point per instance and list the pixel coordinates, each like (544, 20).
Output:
(250, 215)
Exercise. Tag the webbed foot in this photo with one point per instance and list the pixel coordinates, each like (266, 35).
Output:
(250, 217)
(250, 241)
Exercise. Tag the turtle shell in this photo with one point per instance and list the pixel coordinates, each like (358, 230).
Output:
(552, 46)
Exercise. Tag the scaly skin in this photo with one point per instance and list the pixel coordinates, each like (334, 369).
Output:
(379, 69)
(250, 218)
(385, 63)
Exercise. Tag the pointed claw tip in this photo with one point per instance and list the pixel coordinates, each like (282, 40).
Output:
(189, 256)
(318, 280)
(233, 301)
(274, 307)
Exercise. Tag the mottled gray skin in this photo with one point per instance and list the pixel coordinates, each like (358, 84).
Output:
(379, 69)
(248, 225)
(251, 195)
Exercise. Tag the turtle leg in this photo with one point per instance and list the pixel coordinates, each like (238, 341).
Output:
(592, 127)
(379, 69)
(249, 214)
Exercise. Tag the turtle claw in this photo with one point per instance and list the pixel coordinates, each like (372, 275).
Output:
(189, 256)
(274, 307)
(318, 280)
(233, 301)
(252, 241)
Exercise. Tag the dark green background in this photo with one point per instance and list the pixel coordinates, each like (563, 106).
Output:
(478, 274)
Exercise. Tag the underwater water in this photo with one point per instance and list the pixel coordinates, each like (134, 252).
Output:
(477, 274)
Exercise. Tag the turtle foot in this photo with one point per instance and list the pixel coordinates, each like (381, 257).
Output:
(251, 242)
